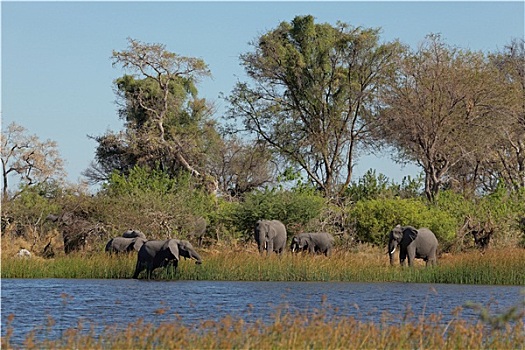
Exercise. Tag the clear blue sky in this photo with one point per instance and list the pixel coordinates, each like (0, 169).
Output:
(57, 74)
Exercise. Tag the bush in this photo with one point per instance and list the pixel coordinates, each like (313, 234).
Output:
(372, 220)
(372, 186)
(140, 180)
(151, 201)
(501, 211)
(294, 208)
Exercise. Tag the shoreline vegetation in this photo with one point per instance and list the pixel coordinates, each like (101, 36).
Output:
(312, 329)
(493, 267)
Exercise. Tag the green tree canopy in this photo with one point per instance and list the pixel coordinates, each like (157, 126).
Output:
(167, 126)
(312, 95)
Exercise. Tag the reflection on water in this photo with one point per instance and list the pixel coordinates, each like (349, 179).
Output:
(120, 302)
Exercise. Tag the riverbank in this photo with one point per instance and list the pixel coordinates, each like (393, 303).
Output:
(494, 267)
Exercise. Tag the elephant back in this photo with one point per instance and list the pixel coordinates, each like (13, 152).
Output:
(133, 234)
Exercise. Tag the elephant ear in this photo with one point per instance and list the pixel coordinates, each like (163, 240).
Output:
(270, 231)
(139, 242)
(411, 232)
(173, 247)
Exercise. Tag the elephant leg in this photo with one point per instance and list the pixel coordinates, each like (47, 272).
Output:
(270, 247)
(411, 256)
(402, 256)
(138, 270)
(149, 269)
(432, 260)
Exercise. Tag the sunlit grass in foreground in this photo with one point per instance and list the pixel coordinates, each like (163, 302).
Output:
(286, 330)
(497, 267)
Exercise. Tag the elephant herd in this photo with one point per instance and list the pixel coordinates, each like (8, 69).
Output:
(152, 254)
(270, 236)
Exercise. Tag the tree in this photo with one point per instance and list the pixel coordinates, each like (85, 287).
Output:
(509, 116)
(166, 123)
(313, 95)
(435, 112)
(32, 160)
(241, 167)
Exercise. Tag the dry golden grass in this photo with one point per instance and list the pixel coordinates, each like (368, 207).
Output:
(292, 331)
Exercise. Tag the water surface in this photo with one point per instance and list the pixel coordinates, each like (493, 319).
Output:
(120, 302)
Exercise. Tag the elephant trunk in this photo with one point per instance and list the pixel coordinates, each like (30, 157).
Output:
(197, 257)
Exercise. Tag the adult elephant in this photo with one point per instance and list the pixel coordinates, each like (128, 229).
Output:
(416, 244)
(270, 235)
(124, 244)
(316, 242)
(134, 234)
(163, 253)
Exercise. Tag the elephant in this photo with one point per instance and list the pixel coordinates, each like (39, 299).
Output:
(163, 253)
(133, 234)
(124, 244)
(317, 242)
(270, 235)
(417, 244)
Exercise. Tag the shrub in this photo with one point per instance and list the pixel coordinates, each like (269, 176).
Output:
(372, 220)
(295, 208)
(140, 180)
(500, 210)
(372, 186)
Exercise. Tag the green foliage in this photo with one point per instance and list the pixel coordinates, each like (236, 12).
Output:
(306, 75)
(151, 201)
(503, 211)
(28, 211)
(372, 220)
(372, 186)
(294, 208)
(140, 180)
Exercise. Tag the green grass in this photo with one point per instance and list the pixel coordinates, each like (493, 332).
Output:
(497, 267)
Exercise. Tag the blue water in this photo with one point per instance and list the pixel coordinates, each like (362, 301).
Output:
(120, 302)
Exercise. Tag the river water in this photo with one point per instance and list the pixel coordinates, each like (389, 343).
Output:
(119, 302)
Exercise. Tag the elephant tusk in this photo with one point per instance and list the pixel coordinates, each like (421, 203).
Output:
(393, 250)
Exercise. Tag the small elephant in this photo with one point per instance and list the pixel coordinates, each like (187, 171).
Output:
(133, 234)
(124, 245)
(164, 253)
(317, 242)
(270, 235)
(417, 244)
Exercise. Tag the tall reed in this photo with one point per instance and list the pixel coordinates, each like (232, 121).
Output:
(313, 330)
(503, 267)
